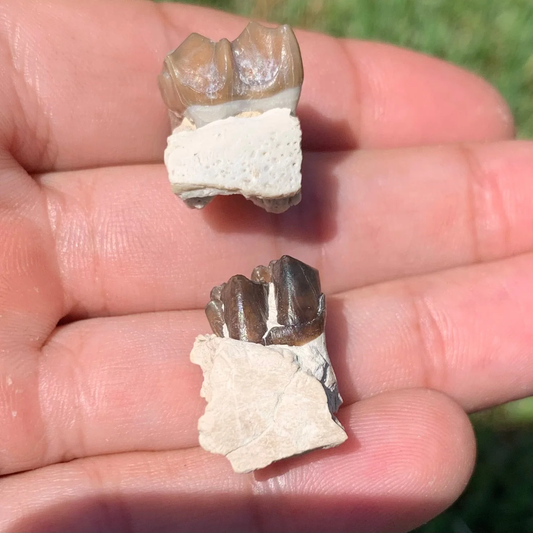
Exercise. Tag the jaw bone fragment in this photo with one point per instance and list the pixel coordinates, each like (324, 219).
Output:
(268, 380)
(232, 107)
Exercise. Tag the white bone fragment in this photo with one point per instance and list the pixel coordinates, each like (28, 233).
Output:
(257, 156)
(266, 403)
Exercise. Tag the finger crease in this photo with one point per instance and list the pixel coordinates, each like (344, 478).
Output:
(431, 338)
(489, 220)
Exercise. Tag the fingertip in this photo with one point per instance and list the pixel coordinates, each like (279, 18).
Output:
(408, 98)
(427, 433)
(409, 455)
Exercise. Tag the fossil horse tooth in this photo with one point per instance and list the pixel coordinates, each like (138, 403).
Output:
(276, 395)
(297, 288)
(260, 70)
(243, 305)
(232, 110)
(300, 305)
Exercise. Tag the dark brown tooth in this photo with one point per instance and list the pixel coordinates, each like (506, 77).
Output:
(268, 61)
(198, 72)
(297, 291)
(299, 334)
(242, 304)
(261, 274)
(245, 309)
(214, 311)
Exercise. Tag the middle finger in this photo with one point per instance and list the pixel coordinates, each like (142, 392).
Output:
(126, 245)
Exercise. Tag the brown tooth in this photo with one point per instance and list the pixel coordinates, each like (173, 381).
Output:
(268, 60)
(245, 309)
(297, 291)
(198, 72)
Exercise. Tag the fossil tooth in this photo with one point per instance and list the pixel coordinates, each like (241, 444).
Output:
(216, 292)
(207, 81)
(214, 311)
(270, 388)
(261, 274)
(232, 108)
(299, 333)
(281, 304)
(300, 306)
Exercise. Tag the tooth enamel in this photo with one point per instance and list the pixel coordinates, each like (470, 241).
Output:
(268, 61)
(199, 72)
(232, 108)
(206, 81)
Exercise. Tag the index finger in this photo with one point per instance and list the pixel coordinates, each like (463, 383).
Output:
(81, 86)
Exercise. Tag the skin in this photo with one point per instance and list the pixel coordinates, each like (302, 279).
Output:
(416, 210)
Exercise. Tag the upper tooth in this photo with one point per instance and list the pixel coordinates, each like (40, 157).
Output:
(206, 81)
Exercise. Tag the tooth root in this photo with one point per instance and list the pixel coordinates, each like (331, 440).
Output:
(268, 61)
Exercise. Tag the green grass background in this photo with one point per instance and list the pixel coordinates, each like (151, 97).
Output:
(493, 38)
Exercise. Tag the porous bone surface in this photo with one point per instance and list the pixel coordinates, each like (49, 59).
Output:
(256, 156)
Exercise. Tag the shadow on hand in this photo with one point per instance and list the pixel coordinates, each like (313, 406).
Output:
(320, 133)
(313, 220)
(222, 512)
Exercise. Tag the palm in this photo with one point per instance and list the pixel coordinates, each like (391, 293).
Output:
(423, 252)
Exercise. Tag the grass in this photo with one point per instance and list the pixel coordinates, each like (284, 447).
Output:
(494, 39)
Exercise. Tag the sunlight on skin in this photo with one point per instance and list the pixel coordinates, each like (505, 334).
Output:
(422, 237)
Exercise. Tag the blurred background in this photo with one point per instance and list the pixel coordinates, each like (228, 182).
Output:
(493, 38)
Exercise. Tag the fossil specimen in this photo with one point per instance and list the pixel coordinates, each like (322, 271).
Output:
(232, 107)
(298, 305)
(205, 81)
(268, 380)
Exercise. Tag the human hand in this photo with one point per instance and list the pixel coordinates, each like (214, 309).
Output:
(416, 210)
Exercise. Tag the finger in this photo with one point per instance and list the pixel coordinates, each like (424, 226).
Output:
(465, 332)
(125, 244)
(126, 383)
(104, 108)
(409, 455)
